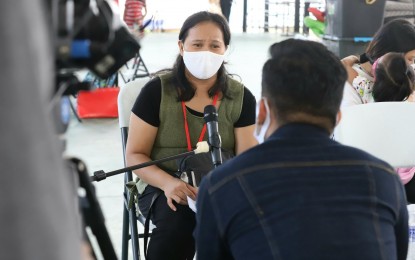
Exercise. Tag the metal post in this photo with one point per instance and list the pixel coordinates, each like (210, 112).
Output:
(245, 15)
(297, 16)
(266, 17)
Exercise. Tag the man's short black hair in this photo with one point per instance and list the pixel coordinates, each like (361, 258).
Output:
(303, 79)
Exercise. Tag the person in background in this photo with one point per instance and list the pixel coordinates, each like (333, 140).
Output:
(225, 6)
(394, 78)
(395, 36)
(167, 119)
(395, 82)
(300, 194)
(134, 13)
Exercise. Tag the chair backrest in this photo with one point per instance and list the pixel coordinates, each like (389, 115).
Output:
(126, 98)
(384, 129)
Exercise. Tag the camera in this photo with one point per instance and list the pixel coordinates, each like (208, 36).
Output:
(90, 34)
(87, 34)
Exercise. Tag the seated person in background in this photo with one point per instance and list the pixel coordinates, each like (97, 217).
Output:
(300, 194)
(167, 120)
(395, 36)
(392, 80)
(134, 13)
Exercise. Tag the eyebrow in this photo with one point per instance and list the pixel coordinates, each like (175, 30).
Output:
(215, 41)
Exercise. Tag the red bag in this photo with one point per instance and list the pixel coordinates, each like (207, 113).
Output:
(98, 103)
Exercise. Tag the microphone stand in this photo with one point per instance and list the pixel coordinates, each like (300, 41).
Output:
(211, 118)
(201, 147)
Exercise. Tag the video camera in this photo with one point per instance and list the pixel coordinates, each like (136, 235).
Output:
(87, 34)
(90, 34)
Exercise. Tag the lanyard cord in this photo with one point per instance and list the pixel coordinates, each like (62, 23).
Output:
(186, 126)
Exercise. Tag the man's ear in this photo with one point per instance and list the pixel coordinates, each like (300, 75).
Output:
(262, 112)
(181, 47)
(338, 117)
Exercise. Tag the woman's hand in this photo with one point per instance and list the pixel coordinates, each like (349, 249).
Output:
(348, 63)
(350, 60)
(178, 191)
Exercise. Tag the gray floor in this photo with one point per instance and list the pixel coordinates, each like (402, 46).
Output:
(98, 141)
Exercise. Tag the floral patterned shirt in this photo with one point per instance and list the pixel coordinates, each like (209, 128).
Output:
(363, 84)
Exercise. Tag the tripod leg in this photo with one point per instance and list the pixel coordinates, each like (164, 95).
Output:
(140, 63)
(92, 213)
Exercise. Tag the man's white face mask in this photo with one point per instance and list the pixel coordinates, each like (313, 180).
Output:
(261, 129)
(202, 64)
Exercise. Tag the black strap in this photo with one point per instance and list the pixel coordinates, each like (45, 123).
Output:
(364, 57)
(147, 222)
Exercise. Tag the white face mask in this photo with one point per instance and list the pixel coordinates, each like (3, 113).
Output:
(202, 64)
(261, 130)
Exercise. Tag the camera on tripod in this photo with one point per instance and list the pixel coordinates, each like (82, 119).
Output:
(87, 34)
(90, 34)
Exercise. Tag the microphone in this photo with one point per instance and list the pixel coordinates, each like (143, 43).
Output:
(214, 140)
(201, 147)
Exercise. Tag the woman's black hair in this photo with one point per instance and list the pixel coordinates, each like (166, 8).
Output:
(395, 36)
(185, 90)
(394, 78)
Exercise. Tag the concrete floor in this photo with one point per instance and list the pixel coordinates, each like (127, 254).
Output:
(98, 141)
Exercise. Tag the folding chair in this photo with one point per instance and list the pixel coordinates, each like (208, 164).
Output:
(383, 129)
(126, 99)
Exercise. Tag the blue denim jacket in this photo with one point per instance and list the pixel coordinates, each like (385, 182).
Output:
(301, 195)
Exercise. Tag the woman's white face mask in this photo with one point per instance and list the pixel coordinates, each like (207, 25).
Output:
(202, 64)
(261, 129)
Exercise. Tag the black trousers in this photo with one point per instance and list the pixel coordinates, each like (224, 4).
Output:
(226, 5)
(172, 239)
(410, 191)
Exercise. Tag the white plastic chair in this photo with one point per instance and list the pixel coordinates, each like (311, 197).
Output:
(385, 130)
(126, 98)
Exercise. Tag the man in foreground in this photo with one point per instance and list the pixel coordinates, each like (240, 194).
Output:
(301, 195)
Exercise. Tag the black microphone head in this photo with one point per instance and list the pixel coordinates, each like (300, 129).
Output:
(210, 113)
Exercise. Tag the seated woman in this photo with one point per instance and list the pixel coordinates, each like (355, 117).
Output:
(392, 78)
(167, 119)
(395, 36)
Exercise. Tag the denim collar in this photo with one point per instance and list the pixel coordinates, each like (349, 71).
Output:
(300, 131)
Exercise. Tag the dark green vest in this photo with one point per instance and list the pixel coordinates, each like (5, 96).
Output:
(171, 136)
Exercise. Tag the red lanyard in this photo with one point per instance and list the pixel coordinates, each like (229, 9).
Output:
(186, 126)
